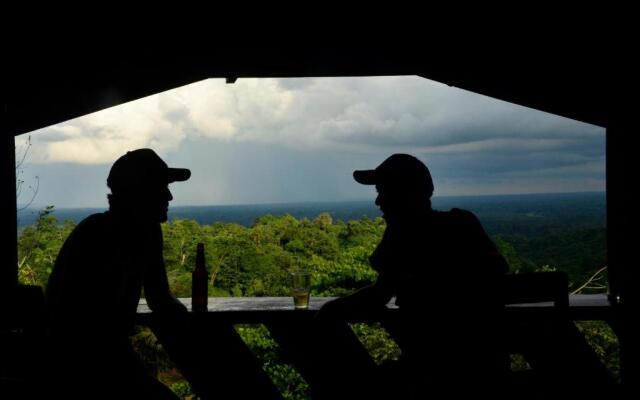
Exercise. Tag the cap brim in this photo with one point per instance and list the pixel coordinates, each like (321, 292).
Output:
(178, 174)
(366, 177)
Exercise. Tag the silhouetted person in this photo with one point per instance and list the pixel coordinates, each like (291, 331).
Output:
(94, 290)
(444, 272)
(446, 276)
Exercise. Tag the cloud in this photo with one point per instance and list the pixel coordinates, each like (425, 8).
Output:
(281, 140)
(515, 145)
(103, 136)
(367, 114)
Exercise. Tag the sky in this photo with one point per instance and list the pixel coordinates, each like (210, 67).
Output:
(299, 139)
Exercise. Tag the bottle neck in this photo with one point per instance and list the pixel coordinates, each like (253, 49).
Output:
(200, 264)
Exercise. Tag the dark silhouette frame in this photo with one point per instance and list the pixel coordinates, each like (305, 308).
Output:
(554, 81)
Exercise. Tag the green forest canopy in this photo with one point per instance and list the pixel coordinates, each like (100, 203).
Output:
(256, 261)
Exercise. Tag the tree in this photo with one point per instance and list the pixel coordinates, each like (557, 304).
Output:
(38, 247)
(20, 183)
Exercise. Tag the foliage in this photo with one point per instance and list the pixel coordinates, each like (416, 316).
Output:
(150, 350)
(257, 261)
(284, 376)
(377, 341)
(604, 342)
(182, 389)
(578, 252)
(38, 247)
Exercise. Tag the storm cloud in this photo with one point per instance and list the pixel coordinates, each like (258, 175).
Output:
(473, 144)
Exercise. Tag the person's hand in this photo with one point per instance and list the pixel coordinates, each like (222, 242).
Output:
(332, 310)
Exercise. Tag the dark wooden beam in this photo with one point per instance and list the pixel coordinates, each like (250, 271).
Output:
(554, 80)
(622, 227)
(8, 217)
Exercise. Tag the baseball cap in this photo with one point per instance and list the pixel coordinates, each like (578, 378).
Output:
(399, 170)
(140, 167)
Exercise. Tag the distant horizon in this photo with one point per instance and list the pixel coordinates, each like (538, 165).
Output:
(42, 206)
(529, 211)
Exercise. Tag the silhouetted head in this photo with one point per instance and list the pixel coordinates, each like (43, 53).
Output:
(403, 183)
(139, 183)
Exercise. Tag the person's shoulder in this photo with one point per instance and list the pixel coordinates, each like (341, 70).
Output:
(462, 215)
(95, 219)
(460, 219)
(94, 223)
(88, 233)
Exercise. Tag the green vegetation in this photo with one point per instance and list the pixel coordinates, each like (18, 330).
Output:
(578, 252)
(256, 260)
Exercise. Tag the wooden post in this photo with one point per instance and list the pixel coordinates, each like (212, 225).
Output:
(8, 207)
(622, 227)
(617, 178)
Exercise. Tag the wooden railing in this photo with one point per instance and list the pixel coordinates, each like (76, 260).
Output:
(267, 309)
(22, 324)
(279, 315)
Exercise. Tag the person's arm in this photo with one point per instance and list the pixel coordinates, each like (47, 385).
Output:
(497, 261)
(367, 299)
(490, 263)
(493, 262)
(156, 286)
(370, 297)
(390, 266)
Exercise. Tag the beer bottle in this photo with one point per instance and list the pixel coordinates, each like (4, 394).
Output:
(199, 282)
